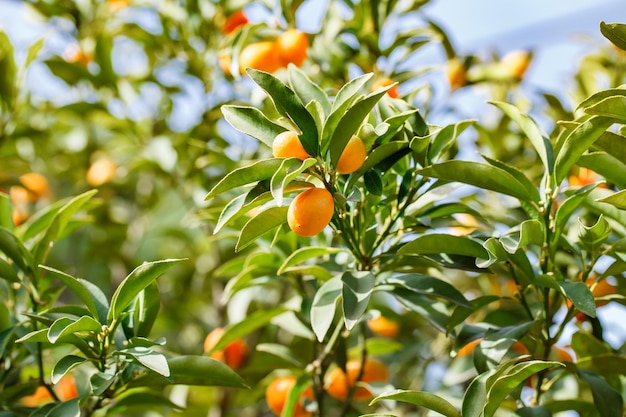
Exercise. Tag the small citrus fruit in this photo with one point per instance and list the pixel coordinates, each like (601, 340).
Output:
(340, 382)
(224, 61)
(261, 56)
(352, 157)
(310, 212)
(234, 21)
(39, 397)
(292, 47)
(100, 172)
(382, 326)
(288, 145)
(456, 73)
(36, 183)
(516, 63)
(384, 82)
(234, 354)
(278, 391)
(468, 348)
(66, 388)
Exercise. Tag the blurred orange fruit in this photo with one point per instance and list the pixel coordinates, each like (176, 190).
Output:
(516, 63)
(234, 21)
(292, 47)
(262, 56)
(39, 397)
(456, 73)
(584, 177)
(339, 383)
(278, 391)
(352, 157)
(310, 211)
(384, 82)
(382, 326)
(234, 354)
(100, 172)
(66, 388)
(468, 348)
(36, 184)
(224, 61)
(288, 145)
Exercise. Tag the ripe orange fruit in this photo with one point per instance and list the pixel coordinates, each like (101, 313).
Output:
(234, 21)
(516, 63)
(100, 172)
(262, 56)
(234, 354)
(384, 82)
(562, 354)
(116, 5)
(40, 396)
(340, 383)
(224, 61)
(36, 184)
(352, 157)
(66, 388)
(278, 391)
(382, 326)
(310, 212)
(456, 73)
(292, 47)
(288, 145)
(468, 348)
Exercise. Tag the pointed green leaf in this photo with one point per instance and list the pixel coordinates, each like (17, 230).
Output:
(307, 90)
(252, 122)
(430, 286)
(609, 167)
(303, 254)
(288, 105)
(11, 246)
(480, 175)
(66, 326)
(577, 142)
(134, 283)
(436, 243)
(608, 401)
(518, 175)
(581, 297)
(529, 232)
(7, 272)
(476, 396)
(423, 399)
(268, 219)
(356, 291)
(537, 138)
(290, 169)
(260, 170)
(592, 237)
(69, 408)
(615, 32)
(324, 307)
(441, 140)
(618, 199)
(92, 296)
(100, 382)
(8, 70)
(147, 357)
(612, 106)
(6, 210)
(64, 365)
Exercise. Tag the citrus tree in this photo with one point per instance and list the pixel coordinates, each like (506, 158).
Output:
(280, 211)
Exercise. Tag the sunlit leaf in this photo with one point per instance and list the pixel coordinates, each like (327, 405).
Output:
(267, 220)
(618, 199)
(423, 399)
(608, 401)
(356, 291)
(615, 32)
(324, 307)
(260, 170)
(303, 254)
(252, 121)
(64, 365)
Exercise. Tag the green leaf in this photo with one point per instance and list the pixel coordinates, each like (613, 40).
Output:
(538, 411)
(145, 310)
(258, 171)
(441, 140)
(307, 90)
(92, 296)
(618, 199)
(518, 175)
(65, 326)
(290, 169)
(581, 296)
(592, 237)
(288, 105)
(423, 399)
(57, 225)
(252, 121)
(356, 291)
(140, 400)
(373, 182)
(537, 138)
(613, 144)
(194, 370)
(64, 365)
(11, 246)
(568, 207)
(436, 243)
(350, 123)
(608, 401)
(252, 322)
(476, 396)
(150, 359)
(480, 175)
(612, 106)
(8, 70)
(134, 283)
(100, 382)
(260, 224)
(529, 232)
(606, 165)
(69, 408)
(71, 73)
(496, 343)
(615, 32)
(604, 364)
(7, 272)
(306, 253)
(324, 307)
(378, 155)
(577, 142)
(430, 286)
(280, 351)
(431, 309)
(6, 210)
(33, 51)
(294, 395)
(506, 383)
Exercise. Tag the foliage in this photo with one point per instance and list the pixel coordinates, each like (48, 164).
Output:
(496, 270)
